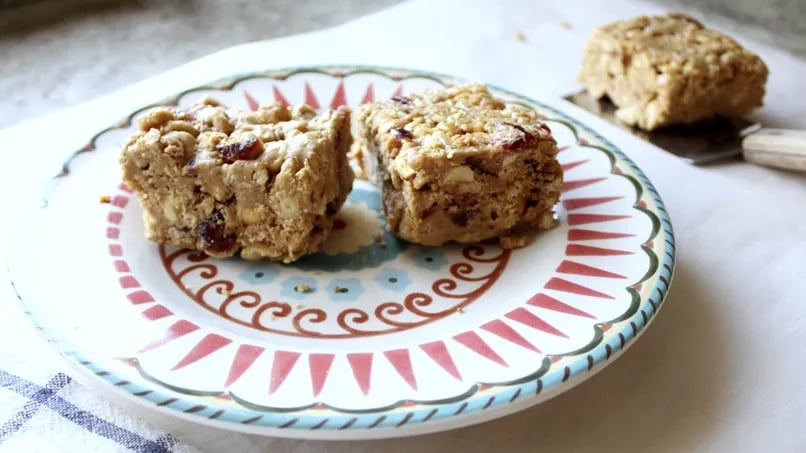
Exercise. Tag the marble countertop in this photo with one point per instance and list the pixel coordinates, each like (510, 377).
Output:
(57, 53)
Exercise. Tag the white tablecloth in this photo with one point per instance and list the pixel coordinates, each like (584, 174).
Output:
(720, 369)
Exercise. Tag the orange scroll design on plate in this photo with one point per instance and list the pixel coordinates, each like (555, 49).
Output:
(206, 281)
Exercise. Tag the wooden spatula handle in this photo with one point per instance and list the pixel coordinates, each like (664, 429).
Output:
(779, 148)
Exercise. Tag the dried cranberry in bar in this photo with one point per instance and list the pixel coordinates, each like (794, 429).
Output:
(401, 133)
(247, 149)
(213, 234)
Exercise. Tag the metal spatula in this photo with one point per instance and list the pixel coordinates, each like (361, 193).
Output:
(715, 139)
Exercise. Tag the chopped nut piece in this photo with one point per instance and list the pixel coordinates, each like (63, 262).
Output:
(155, 118)
(519, 36)
(302, 288)
(459, 175)
(226, 292)
(564, 24)
(339, 289)
(106, 199)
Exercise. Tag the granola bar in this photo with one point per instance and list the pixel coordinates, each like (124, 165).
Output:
(670, 69)
(266, 183)
(459, 165)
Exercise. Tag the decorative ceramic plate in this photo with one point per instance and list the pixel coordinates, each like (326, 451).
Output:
(369, 338)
